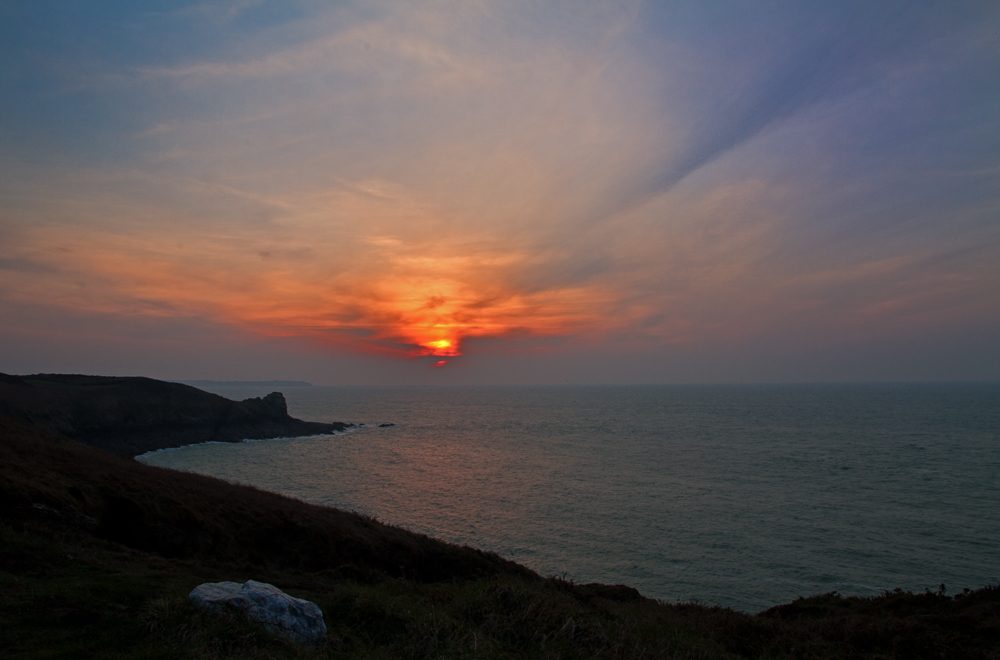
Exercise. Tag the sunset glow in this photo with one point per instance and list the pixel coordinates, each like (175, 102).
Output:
(409, 308)
(618, 191)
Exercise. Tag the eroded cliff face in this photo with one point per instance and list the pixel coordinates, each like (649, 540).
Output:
(130, 416)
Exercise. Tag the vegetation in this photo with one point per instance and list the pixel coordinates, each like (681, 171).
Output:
(98, 553)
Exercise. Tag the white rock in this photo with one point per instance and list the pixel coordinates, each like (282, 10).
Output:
(300, 621)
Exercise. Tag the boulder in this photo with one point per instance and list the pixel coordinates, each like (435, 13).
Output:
(297, 620)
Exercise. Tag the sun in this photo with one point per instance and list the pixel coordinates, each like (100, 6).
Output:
(440, 347)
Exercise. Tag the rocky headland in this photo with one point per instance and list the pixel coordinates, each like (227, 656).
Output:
(129, 416)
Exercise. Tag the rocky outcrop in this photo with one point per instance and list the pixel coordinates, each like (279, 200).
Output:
(299, 621)
(131, 416)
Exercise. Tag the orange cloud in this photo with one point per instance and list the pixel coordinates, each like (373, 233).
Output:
(391, 302)
(413, 316)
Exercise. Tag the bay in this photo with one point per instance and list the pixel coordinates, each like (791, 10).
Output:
(743, 496)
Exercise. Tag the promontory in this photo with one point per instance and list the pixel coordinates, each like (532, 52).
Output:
(129, 416)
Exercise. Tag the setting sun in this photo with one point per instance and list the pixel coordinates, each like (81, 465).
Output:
(384, 188)
(575, 272)
(441, 347)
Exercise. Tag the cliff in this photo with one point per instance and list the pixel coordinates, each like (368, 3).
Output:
(130, 416)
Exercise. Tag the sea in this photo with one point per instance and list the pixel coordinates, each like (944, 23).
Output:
(740, 496)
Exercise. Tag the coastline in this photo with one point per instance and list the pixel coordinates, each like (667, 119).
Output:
(109, 549)
(349, 429)
(449, 496)
(675, 503)
(129, 416)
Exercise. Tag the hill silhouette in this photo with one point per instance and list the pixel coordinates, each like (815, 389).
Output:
(129, 416)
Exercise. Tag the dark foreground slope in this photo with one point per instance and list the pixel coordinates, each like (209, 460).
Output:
(98, 552)
(130, 416)
(178, 514)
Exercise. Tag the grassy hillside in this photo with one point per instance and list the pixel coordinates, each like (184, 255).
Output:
(181, 515)
(97, 554)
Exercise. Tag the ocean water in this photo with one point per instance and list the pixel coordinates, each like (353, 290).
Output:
(740, 496)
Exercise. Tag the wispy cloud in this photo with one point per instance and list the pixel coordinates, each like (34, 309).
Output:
(414, 179)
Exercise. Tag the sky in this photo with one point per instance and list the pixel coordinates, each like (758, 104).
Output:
(501, 192)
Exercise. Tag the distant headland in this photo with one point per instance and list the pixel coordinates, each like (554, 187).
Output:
(129, 416)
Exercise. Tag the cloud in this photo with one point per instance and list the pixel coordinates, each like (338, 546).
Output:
(404, 297)
(427, 178)
(851, 48)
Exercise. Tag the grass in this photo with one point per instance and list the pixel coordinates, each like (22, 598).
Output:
(110, 602)
(98, 553)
